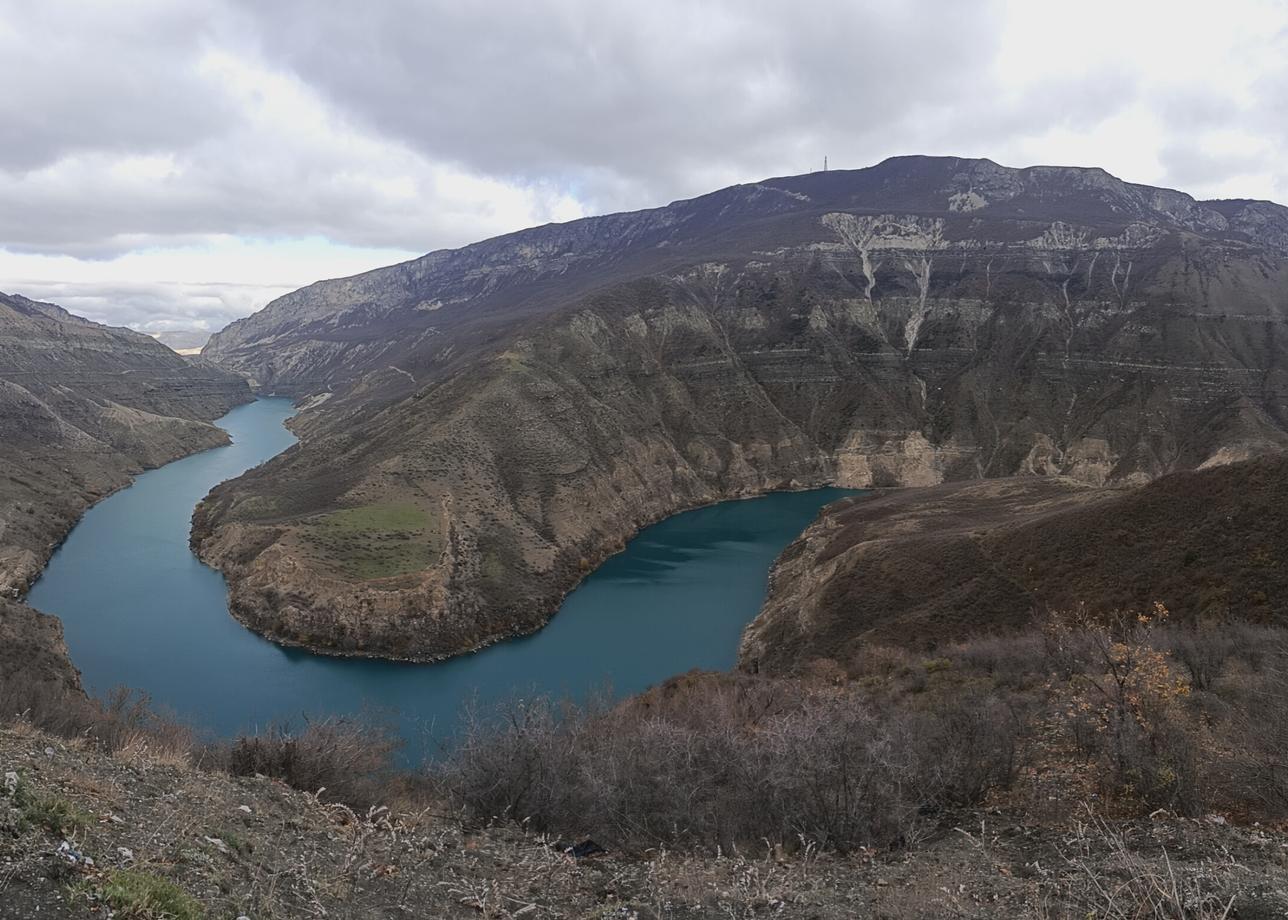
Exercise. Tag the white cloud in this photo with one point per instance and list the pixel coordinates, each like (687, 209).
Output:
(186, 288)
(181, 162)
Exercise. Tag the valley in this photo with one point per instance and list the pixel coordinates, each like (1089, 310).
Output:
(1062, 396)
(528, 403)
(83, 408)
(138, 610)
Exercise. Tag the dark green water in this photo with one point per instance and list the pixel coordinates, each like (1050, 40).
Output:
(140, 611)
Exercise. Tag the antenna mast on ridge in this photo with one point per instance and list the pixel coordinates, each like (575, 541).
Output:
(824, 164)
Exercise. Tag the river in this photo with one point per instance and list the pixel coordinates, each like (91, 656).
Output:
(139, 610)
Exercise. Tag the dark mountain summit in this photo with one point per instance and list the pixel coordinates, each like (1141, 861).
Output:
(483, 425)
(325, 333)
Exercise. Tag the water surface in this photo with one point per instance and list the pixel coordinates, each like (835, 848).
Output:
(139, 610)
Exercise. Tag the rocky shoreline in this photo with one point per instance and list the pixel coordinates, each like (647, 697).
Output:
(500, 418)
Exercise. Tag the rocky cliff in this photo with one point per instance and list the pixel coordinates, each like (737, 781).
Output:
(482, 426)
(33, 655)
(917, 567)
(82, 408)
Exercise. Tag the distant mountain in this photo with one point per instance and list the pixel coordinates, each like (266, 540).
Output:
(82, 408)
(482, 426)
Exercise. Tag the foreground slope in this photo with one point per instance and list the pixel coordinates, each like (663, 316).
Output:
(84, 833)
(917, 567)
(482, 426)
(82, 408)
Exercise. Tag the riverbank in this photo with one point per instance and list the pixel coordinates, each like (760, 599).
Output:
(273, 628)
(676, 599)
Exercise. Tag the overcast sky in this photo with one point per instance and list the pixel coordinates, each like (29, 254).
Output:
(175, 165)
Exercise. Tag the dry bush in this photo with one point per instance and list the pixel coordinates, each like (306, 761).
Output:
(50, 707)
(1255, 732)
(345, 760)
(1014, 662)
(125, 722)
(775, 760)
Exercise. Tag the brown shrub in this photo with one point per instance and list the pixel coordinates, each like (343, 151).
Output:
(124, 721)
(340, 759)
(720, 764)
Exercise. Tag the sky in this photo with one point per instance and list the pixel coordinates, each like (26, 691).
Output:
(176, 164)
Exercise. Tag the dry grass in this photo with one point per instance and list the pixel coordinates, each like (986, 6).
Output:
(1132, 885)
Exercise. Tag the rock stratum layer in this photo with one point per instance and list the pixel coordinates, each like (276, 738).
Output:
(83, 407)
(952, 562)
(482, 426)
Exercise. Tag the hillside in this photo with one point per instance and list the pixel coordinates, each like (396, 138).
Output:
(145, 833)
(482, 426)
(917, 567)
(83, 407)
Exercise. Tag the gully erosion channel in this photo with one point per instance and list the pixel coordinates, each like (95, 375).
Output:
(139, 610)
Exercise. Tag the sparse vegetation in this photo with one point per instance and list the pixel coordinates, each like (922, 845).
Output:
(53, 814)
(374, 541)
(874, 759)
(142, 896)
(880, 753)
(350, 761)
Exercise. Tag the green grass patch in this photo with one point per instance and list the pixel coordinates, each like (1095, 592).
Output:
(388, 518)
(256, 508)
(52, 813)
(141, 896)
(375, 541)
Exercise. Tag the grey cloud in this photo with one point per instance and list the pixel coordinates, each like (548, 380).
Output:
(406, 107)
(637, 101)
(1187, 165)
(85, 76)
(156, 306)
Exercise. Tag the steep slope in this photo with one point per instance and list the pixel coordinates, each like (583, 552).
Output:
(33, 655)
(82, 408)
(914, 567)
(484, 425)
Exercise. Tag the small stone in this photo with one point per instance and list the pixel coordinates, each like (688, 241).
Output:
(245, 808)
(116, 819)
(11, 782)
(125, 854)
(49, 752)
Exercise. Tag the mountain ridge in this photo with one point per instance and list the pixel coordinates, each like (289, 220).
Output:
(885, 179)
(537, 398)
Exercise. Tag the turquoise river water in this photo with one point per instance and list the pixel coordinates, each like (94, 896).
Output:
(139, 610)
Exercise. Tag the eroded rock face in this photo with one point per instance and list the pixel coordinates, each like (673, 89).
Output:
(82, 408)
(533, 400)
(33, 655)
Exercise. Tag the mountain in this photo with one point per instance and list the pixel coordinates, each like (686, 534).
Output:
(482, 426)
(920, 567)
(83, 407)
